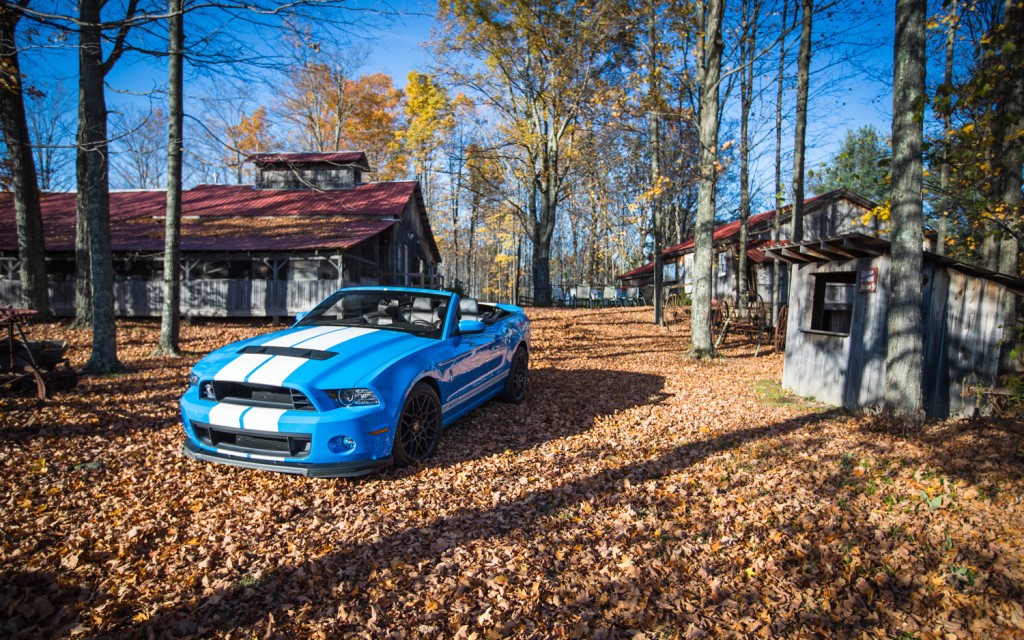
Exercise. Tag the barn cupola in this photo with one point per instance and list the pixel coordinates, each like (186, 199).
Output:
(317, 171)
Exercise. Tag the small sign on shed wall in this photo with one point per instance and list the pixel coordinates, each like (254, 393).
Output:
(868, 281)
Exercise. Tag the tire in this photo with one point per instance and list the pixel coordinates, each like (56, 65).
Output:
(419, 426)
(516, 382)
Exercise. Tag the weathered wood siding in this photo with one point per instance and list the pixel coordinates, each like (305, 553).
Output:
(837, 369)
(962, 336)
(204, 298)
(964, 341)
(310, 176)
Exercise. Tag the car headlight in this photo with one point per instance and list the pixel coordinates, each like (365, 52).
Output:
(353, 397)
(193, 379)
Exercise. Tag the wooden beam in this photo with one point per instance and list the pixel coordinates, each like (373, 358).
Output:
(816, 255)
(836, 250)
(795, 256)
(860, 247)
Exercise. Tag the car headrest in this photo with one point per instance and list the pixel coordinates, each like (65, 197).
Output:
(468, 306)
(422, 304)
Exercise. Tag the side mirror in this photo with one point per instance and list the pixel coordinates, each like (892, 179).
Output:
(299, 316)
(471, 326)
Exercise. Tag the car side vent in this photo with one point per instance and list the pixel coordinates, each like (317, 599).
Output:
(300, 402)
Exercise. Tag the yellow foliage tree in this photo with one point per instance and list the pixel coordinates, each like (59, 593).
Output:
(331, 111)
(251, 135)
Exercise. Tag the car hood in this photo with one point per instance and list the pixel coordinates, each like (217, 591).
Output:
(309, 356)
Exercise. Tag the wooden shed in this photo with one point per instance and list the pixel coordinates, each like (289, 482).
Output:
(836, 338)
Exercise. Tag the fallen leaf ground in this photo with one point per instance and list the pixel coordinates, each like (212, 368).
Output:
(635, 494)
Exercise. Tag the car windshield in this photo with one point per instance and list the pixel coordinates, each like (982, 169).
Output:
(411, 312)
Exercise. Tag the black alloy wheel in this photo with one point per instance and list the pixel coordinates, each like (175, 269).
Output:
(419, 426)
(515, 384)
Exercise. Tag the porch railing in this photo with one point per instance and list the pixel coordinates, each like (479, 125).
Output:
(201, 298)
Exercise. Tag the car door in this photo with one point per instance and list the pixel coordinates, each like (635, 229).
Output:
(466, 372)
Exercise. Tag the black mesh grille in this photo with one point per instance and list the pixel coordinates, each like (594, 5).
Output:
(301, 402)
(258, 395)
(292, 445)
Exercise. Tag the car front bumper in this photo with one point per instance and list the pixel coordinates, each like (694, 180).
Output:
(350, 469)
(289, 441)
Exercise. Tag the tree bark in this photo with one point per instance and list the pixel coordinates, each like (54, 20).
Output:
(799, 143)
(83, 273)
(779, 198)
(659, 284)
(28, 216)
(1010, 125)
(947, 128)
(170, 315)
(904, 358)
(93, 186)
(708, 80)
(747, 43)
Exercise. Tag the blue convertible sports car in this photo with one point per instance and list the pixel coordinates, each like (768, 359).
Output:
(365, 380)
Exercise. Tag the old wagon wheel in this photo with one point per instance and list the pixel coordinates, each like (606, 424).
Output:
(779, 342)
(22, 395)
(720, 319)
(758, 318)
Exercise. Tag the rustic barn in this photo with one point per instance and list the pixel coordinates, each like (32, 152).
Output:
(836, 338)
(309, 225)
(829, 214)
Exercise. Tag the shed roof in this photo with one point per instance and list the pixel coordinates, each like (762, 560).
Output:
(858, 245)
(728, 230)
(233, 218)
(329, 157)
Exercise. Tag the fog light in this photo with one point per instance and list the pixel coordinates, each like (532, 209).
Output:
(341, 444)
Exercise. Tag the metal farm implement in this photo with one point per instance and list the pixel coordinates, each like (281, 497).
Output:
(26, 366)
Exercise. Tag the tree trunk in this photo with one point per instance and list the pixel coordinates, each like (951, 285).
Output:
(779, 198)
(1012, 161)
(947, 128)
(709, 76)
(541, 239)
(799, 143)
(93, 186)
(657, 215)
(1010, 125)
(83, 273)
(747, 42)
(28, 216)
(170, 315)
(904, 358)
(544, 218)
(659, 284)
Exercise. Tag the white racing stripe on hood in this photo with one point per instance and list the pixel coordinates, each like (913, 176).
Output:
(246, 363)
(326, 341)
(262, 419)
(275, 371)
(292, 339)
(243, 365)
(227, 415)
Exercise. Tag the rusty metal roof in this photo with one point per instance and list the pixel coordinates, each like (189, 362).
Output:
(231, 218)
(331, 157)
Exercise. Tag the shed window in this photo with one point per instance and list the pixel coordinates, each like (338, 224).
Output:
(832, 308)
